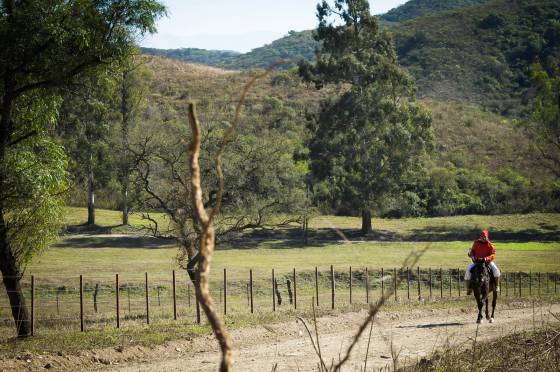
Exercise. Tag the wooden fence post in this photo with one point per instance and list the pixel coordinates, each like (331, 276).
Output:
(251, 288)
(440, 282)
(147, 300)
(198, 320)
(117, 300)
(367, 286)
(395, 283)
(519, 279)
(450, 283)
(174, 297)
(332, 287)
(408, 283)
(382, 274)
(459, 282)
(530, 284)
(350, 278)
(555, 282)
(317, 286)
(32, 305)
(295, 289)
(539, 286)
(273, 292)
(225, 292)
(418, 279)
(506, 277)
(430, 281)
(81, 303)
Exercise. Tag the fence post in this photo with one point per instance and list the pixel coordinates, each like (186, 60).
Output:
(225, 292)
(197, 304)
(350, 278)
(506, 277)
(547, 282)
(450, 283)
(555, 282)
(128, 296)
(189, 294)
(418, 279)
(408, 283)
(430, 281)
(395, 282)
(440, 282)
(459, 282)
(367, 286)
(295, 290)
(174, 297)
(32, 305)
(530, 284)
(117, 299)
(317, 286)
(519, 279)
(382, 283)
(273, 292)
(251, 288)
(147, 300)
(332, 287)
(539, 286)
(81, 303)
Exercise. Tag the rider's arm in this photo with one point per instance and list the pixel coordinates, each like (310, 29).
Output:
(493, 255)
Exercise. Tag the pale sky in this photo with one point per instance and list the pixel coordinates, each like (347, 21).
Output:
(238, 25)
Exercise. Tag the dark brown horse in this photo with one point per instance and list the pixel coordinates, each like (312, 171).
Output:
(482, 285)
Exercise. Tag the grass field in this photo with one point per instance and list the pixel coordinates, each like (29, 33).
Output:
(523, 242)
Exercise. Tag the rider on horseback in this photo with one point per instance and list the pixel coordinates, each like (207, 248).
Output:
(482, 249)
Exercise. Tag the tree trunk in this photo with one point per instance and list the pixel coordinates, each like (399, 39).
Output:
(125, 200)
(8, 265)
(366, 222)
(91, 195)
(11, 276)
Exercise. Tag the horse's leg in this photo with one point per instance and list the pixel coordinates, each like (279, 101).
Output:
(486, 307)
(479, 303)
(494, 300)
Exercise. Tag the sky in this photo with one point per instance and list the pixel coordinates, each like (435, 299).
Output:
(238, 25)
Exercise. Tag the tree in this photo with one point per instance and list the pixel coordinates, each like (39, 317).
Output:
(43, 45)
(546, 114)
(365, 141)
(132, 92)
(87, 120)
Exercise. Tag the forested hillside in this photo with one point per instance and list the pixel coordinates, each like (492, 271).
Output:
(419, 8)
(479, 54)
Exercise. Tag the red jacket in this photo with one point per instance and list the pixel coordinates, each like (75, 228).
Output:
(483, 248)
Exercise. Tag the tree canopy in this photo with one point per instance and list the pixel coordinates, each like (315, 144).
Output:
(366, 140)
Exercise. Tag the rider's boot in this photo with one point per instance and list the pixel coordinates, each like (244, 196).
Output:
(468, 287)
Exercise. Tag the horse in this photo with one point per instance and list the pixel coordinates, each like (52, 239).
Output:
(482, 285)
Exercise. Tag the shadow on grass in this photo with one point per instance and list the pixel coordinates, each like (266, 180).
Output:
(121, 241)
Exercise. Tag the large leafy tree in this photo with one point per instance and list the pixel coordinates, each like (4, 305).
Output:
(370, 136)
(44, 44)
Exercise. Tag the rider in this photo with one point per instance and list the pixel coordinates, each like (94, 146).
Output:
(482, 249)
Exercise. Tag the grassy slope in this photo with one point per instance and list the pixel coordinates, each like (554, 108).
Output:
(459, 128)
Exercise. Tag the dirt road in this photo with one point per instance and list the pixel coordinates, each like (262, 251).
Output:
(413, 334)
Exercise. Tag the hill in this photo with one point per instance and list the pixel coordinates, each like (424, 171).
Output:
(420, 8)
(459, 127)
(478, 54)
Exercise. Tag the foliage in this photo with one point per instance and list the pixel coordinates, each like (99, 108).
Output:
(420, 8)
(35, 174)
(364, 142)
(546, 112)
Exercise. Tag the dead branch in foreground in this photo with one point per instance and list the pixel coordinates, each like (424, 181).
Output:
(207, 241)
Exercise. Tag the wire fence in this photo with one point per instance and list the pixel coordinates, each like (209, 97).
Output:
(97, 301)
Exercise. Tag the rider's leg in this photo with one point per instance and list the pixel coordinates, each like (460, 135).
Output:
(468, 275)
(497, 274)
